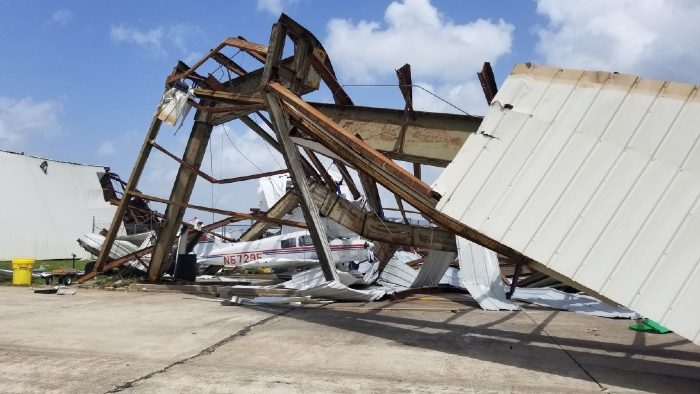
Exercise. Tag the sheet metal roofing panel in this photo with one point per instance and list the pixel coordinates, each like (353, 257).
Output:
(43, 214)
(596, 176)
(480, 274)
(433, 269)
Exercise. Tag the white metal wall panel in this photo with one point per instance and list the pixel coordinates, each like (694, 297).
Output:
(43, 214)
(595, 175)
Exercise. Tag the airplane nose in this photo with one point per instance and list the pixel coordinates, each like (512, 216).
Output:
(369, 245)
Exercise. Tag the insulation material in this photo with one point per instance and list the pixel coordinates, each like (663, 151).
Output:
(398, 274)
(434, 268)
(596, 177)
(579, 303)
(174, 105)
(481, 276)
(46, 205)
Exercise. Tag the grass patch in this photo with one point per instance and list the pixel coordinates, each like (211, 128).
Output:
(49, 265)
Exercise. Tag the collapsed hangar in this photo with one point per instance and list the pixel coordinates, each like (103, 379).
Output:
(484, 190)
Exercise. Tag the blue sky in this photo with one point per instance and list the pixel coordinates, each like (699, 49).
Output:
(80, 80)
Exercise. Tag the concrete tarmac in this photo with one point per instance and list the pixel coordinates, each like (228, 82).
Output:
(99, 341)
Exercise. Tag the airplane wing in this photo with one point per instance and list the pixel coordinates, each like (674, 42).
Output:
(280, 262)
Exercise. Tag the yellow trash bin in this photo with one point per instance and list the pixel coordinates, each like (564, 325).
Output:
(22, 272)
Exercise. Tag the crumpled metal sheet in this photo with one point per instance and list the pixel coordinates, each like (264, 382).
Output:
(480, 275)
(580, 303)
(433, 269)
(451, 277)
(313, 277)
(397, 274)
(337, 291)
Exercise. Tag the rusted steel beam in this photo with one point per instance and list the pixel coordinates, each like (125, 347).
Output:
(303, 42)
(247, 46)
(252, 176)
(230, 97)
(431, 139)
(488, 82)
(311, 214)
(398, 210)
(259, 56)
(383, 170)
(319, 61)
(256, 50)
(327, 178)
(406, 86)
(130, 186)
(370, 226)
(261, 132)
(238, 215)
(181, 193)
(399, 203)
(250, 84)
(229, 64)
(348, 179)
(350, 142)
(281, 208)
(270, 140)
(211, 179)
(318, 58)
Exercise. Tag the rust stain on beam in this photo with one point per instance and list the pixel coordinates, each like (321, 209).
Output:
(343, 138)
(230, 97)
(431, 138)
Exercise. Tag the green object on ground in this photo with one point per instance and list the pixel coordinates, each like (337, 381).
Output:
(646, 325)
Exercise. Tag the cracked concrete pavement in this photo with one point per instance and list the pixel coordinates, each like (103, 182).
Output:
(98, 341)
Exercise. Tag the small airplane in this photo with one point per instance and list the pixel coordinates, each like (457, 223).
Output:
(291, 250)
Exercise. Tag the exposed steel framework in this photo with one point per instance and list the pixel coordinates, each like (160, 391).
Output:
(361, 139)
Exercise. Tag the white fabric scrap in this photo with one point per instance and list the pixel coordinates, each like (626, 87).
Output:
(480, 275)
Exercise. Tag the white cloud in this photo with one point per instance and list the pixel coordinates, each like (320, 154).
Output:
(274, 7)
(106, 148)
(159, 39)
(21, 119)
(151, 39)
(62, 17)
(654, 38)
(415, 32)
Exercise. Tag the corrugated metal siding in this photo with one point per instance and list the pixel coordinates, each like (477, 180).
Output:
(42, 215)
(595, 175)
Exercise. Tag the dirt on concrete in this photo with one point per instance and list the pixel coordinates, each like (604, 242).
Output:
(99, 342)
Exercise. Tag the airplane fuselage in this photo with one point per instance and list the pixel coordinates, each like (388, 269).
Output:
(288, 250)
